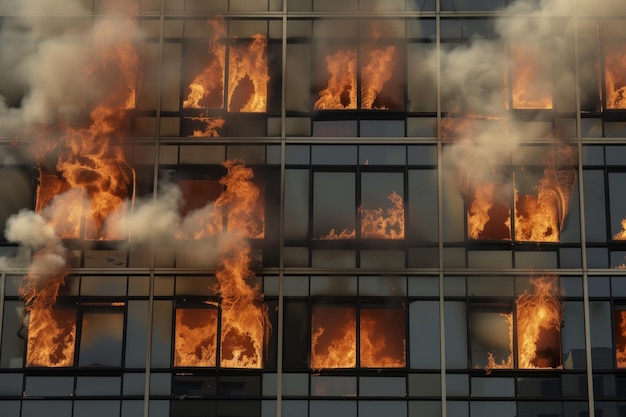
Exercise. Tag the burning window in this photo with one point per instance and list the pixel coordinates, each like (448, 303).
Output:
(540, 198)
(369, 76)
(380, 214)
(51, 337)
(241, 342)
(232, 76)
(533, 325)
(530, 77)
(381, 340)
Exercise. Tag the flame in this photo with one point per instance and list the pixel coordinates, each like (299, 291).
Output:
(615, 76)
(620, 338)
(375, 74)
(389, 225)
(195, 342)
(508, 362)
(381, 336)
(211, 126)
(207, 89)
(340, 93)
(621, 235)
(539, 316)
(483, 210)
(245, 323)
(248, 62)
(51, 337)
(531, 86)
(540, 217)
(333, 337)
(92, 159)
(376, 223)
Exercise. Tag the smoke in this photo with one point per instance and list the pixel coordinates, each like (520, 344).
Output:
(45, 62)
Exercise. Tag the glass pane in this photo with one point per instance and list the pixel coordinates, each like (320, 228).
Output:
(491, 336)
(382, 337)
(617, 201)
(424, 334)
(334, 208)
(382, 206)
(51, 337)
(101, 339)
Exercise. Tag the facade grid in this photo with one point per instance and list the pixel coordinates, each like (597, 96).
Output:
(276, 208)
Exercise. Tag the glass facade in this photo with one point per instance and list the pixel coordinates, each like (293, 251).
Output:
(313, 208)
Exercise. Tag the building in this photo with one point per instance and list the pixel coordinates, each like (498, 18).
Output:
(301, 208)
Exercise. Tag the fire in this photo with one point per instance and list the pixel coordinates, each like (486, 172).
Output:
(621, 235)
(207, 89)
(376, 223)
(377, 68)
(531, 86)
(195, 341)
(333, 337)
(247, 76)
(381, 336)
(488, 216)
(51, 337)
(615, 76)
(539, 316)
(375, 74)
(244, 317)
(83, 180)
(334, 340)
(211, 126)
(540, 217)
(91, 160)
(341, 92)
(508, 362)
(620, 338)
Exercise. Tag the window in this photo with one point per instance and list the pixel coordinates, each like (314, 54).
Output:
(380, 334)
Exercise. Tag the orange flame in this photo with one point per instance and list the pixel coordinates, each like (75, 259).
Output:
(620, 338)
(376, 223)
(245, 323)
(375, 74)
(389, 225)
(248, 65)
(195, 342)
(92, 159)
(530, 78)
(539, 316)
(508, 362)
(333, 337)
(381, 336)
(615, 76)
(621, 235)
(540, 217)
(51, 337)
(207, 89)
(485, 218)
(340, 93)
(211, 126)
